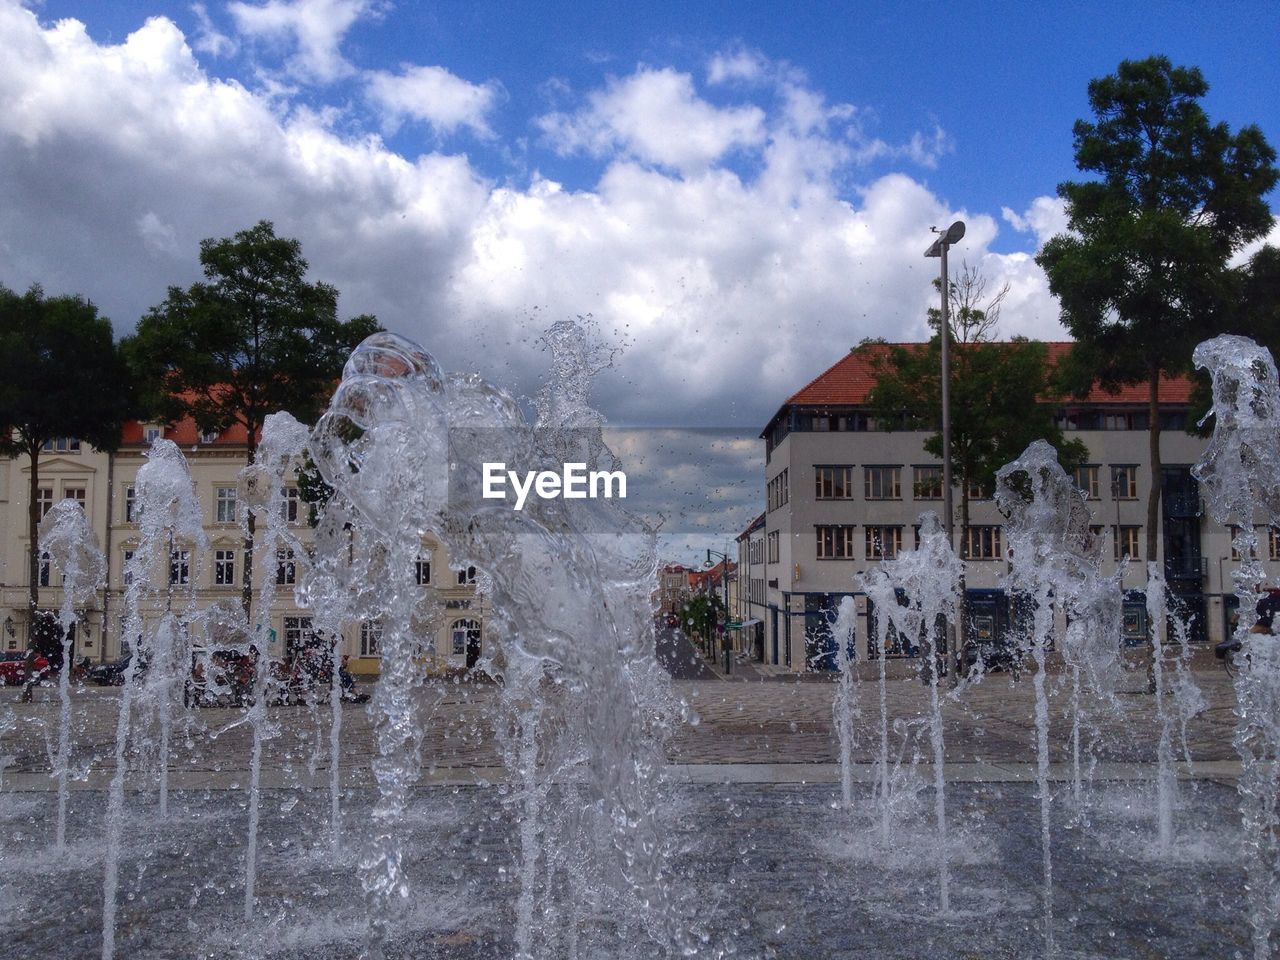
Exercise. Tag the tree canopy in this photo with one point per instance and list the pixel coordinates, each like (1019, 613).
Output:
(997, 408)
(61, 375)
(254, 337)
(1144, 271)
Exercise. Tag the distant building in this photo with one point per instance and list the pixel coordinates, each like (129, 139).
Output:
(673, 587)
(841, 494)
(103, 484)
(752, 605)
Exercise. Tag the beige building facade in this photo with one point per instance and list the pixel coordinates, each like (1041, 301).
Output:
(103, 484)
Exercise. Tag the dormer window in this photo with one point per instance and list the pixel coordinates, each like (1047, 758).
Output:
(209, 436)
(151, 433)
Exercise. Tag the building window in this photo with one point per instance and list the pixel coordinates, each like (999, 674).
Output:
(775, 541)
(1126, 544)
(883, 543)
(62, 445)
(289, 505)
(982, 542)
(297, 634)
(224, 568)
(883, 483)
(74, 493)
(976, 491)
(422, 570)
(833, 483)
(371, 638)
(1273, 543)
(1124, 483)
(286, 568)
(1235, 553)
(463, 634)
(1087, 481)
(835, 542)
(45, 571)
(776, 492)
(926, 482)
(466, 576)
(209, 436)
(44, 500)
(151, 433)
(127, 567)
(130, 504)
(179, 567)
(225, 500)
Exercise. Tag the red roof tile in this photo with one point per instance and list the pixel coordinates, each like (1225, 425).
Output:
(850, 379)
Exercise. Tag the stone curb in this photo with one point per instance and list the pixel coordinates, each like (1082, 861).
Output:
(699, 773)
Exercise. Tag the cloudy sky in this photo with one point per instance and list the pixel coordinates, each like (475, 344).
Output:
(736, 191)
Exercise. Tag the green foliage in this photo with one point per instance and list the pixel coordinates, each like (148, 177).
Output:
(61, 373)
(312, 489)
(996, 403)
(701, 613)
(253, 338)
(1143, 274)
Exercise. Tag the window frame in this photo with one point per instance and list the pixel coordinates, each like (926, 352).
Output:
(874, 489)
(834, 541)
(829, 478)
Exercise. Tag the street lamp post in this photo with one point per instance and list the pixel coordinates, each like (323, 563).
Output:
(724, 582)
(938, 248)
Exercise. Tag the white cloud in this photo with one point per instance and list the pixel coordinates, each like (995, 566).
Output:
(733, 289)
(209, 39)
(656, 116)
(434, 96)
(313, 28)
(1044, 219)
(737, 65)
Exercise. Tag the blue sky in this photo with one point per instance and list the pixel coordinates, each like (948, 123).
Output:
(736, 192)
(1003, 81)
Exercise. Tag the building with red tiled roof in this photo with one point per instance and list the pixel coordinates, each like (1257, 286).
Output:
(103, 484)
(849, 381)
(842, 494)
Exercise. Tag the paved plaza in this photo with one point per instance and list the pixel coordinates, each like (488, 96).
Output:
(762, 862)
(735, 724)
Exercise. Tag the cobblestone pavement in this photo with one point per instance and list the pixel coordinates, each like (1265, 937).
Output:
(730, 723)
(757, 872)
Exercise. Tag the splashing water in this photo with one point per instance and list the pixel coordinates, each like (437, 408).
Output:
(845, 705)
(1049, 548)
(928, 577)
(1239, 473)
(1166, 785)
(168, 513)
(261, 489)
(404, 444)
(72, 547)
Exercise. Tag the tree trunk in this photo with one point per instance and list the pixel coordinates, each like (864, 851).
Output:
(33, 533)
(962, 609)
(246, 591)
(33, 565)
(1157, 473)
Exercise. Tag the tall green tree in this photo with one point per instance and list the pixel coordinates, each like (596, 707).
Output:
(62, 374)
(253, 338)
(1144, 272)
(997, 393)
